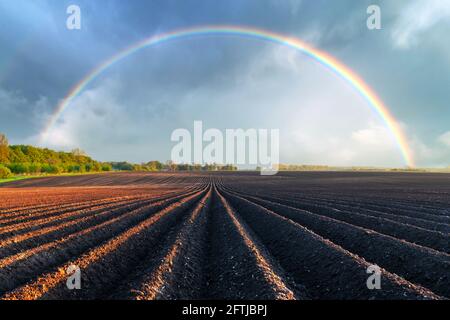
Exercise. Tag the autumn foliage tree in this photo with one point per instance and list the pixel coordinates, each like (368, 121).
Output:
(4, 149)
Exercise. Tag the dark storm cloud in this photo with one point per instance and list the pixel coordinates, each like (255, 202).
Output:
(46, 59)
(41, 60)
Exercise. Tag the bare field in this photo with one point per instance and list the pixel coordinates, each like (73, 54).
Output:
(218, 235)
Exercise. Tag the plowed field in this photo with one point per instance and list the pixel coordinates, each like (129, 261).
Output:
(226, 236)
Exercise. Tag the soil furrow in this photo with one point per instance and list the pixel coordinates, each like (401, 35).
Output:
(432, 239)
(54, 221)
(177, 271)
(360, 208)
(16, 269)
(37, 238)
(400, 257)
(327, 270)
(102, 266)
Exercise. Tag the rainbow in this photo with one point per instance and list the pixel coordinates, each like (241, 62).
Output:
(321, 57)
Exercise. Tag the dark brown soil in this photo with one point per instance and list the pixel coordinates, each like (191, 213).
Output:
(226, 236)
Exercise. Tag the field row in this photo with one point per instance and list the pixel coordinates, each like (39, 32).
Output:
(212, 240)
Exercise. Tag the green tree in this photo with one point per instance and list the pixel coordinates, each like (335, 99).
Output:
(122, 166)
(106, 167)
(88, 167)
(154, 166)
(34, 168)
(18, 168)
(4, 172)
(96, 167)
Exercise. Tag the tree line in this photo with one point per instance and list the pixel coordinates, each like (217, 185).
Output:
(24, 159)
(170, 166)
(302, 167)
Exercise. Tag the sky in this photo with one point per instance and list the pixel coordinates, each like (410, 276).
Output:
(129, 111)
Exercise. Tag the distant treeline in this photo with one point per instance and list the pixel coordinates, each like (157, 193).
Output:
(23, 160)
(302, 167)
(299, 167)
(169, 166)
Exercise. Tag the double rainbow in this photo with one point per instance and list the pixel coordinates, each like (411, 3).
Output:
(321, 57)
